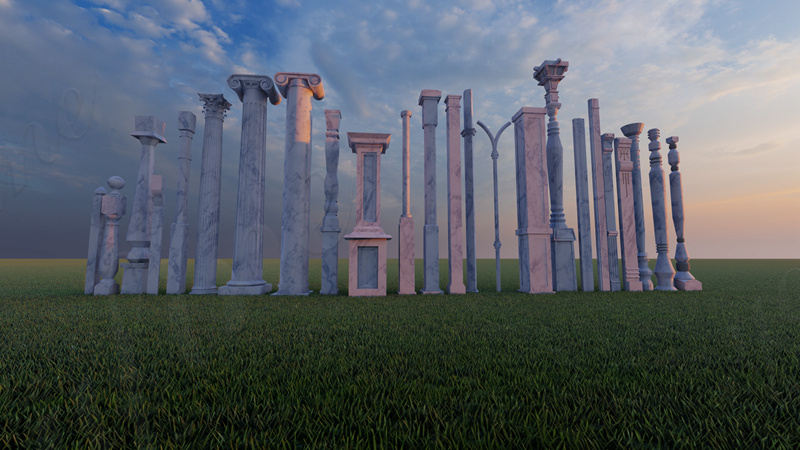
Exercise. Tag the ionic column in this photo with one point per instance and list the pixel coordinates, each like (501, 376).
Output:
(405, 241)
(156, 234)
(179, 232)
(205, 259)
(429, 99)
(469, 193)
(113, 208)
(684, 280)
(455, 239)
(658, 196)
(582, 198)
(627, 221)
(329, 281)
(297, 89)
(96, 229)
(608, 185)
(247, 275)
(599, 191)
(632, 131)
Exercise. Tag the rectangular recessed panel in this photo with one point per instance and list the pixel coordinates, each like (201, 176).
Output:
(368, 267)
(370, 187)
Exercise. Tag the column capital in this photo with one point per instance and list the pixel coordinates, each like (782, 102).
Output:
(187, 121)
(632, 129)
(525, 111)
(332, 118)
(241, 82)
(428, 99)
(380, 141)
(608, 142)
(149, 127)
(549, 74)
(673, 158)
(653, 134)
(310, 81)
(452, 101)
(672, 141)
(214, 105)
(405, 113)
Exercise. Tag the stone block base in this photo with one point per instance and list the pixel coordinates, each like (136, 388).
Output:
(563, 252)
(684, 285)
(535, 263)
(233, 289)
(106, 287)
(134, 278)
(367, 272)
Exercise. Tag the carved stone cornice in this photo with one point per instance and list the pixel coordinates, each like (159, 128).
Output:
(214, 105)
(310, 81)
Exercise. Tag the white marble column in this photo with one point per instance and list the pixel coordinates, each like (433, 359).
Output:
(582, 199)
(247, 275)
(455, 230)
(149, 132)
(179, 232)
(329, 280)
(664, 272)
(469, 194)
(97, 227)
(627, 221)
(611, 215)
(297, 89)
(156, 234)
(113, 208)
(632, 131)
(493, 139)
(428, 100)
(405, 251)
(684, 280)
(599, 191)
(205, 259)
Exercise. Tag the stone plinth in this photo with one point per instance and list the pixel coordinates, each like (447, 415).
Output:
(632, 132)
(664, 272)
(112, 208)
(405, 231)
(428, 100)
(684, 280)
(455, 230)
(627, 221)
(156, 234)
(599, 191)
(582, 200)
(329, 281)
(179, 231)
(97, 227)
(611, 215)
(469, 194)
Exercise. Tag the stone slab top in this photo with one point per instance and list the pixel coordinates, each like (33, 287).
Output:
(187, 121)
(150, 126)
(368, 139)
(429, 94)
(238, 82)
(528, 110)
(312, 81)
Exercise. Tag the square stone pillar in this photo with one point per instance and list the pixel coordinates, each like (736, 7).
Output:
(582, 198)
(455, 230)
(405, 239)
(627, 219)
(428, 100)
(599, 191)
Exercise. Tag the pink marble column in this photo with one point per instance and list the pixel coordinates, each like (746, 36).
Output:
(598, 188)
(405, 241)
(455, 230)
(627, 219)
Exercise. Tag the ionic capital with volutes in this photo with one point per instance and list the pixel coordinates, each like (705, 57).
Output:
(310, 81)
(242, 82)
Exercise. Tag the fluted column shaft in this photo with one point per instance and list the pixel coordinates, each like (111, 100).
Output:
(429, 100)
(611, 216)
(632, 132)
(665, 274)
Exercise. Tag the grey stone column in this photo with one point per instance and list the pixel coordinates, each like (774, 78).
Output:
(405, 241)
(493, 140)
(455, 232)
(627, 221)
(205, 259)
(297, 89)
(582, 198)
(665, 274)
(97, 227)
(179, 232)
(599, 191)
(684, 280)
(429, 99)
(611, 216)
(156, 234)
(329, 280)
(632, 132)
(469, 193)
(113, 208)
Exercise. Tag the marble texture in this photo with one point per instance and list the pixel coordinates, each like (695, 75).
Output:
(468, 134)
(179, 230)
(582, 201)
(97, 228)
(455, 230)
(599, 191)
(405, 230)
(297, 89)
(664, 272)
(329, 281)
(632, 132)
(611, 215)
(156, 234)
(627, 219)
(205, 260)
(684, 280)
(429, 100)
(534, 234)
(112, 207)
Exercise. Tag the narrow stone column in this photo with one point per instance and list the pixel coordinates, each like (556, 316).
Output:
(611, 215)
(549, 74)
(582, 198)
(684, 280)
(627, 221)
(247, 275)
(535, 261)
(179, 232)
(632, 131)
(113, 208)
(599, 191)
(455, 232)
(665, 274)
(205, 259)
(405, 251)
(149, 132)
(297, 89)
(329, 280)
(97, 227)
(469, 193)
(156, 234)
(429, 99)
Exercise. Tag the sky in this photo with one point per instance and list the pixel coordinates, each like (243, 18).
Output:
(723, 76)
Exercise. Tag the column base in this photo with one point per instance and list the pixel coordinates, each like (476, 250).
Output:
(203, 290)
(431, 260)
(535, 260)
(106, 287)
(134, 278)
(684, 281)
(279, 293)
(244, 289)
(424, 292)
(563, 251)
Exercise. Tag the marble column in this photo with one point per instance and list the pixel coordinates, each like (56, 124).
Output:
(684, 280)
(611, 215)
(247, 275)
(664, 272)
(150, 132)
(179, 232)
(632, 132)
(455, 231)
(97, 227)
(428, 100)
(113, 208)
(205, 259)
(599, 191)
(469, 194)
(405, 251)
(329, 280)
(534, 234)
(582, 198)
(367, 255)
(156, 234)
(627, 220)
(297, 89)
(549, 74)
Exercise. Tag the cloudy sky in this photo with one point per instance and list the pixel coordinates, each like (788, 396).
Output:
(724, 76)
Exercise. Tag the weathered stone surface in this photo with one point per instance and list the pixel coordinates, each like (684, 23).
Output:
(684, 280)
(428, 100)
(658, 195)
(329, 280)
(405, 238)
(582, 198)
(627, 221)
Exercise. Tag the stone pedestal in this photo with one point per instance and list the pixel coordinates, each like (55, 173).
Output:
(632, 131)
(611, 216)
(247, 275)
(429, 99)
(534, 234)
(97, 227)
(156, 234)
(329, 281)
(455, 231)
(469, 194)
(627, 221)
(658, 195)
(297, 89)
(599, 191)
(405, 238)
(368, 241)
(582, 198)
(684, 280)
(112, 208)
(179, 231)
(205, 260)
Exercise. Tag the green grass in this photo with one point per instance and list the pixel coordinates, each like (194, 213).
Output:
(712, 369)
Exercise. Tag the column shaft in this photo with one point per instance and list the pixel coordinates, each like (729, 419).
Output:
(599, 191)
(429, 100)
(664, 272)
(684, 280)
(611, 216)
(405, 238)
(329, 280)
(455, 232)
(179, 231)
(632, 131)
(469, 194)
(627, 222)
(582, 199)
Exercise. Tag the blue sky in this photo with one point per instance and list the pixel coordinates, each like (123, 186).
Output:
(722, 75)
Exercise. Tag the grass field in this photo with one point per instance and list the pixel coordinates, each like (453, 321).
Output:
(712, 369)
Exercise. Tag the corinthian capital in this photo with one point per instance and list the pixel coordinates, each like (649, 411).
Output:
(214, 105)
(310, 81)
(241, 82)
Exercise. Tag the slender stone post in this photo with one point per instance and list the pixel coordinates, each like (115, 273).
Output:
(611, 216)
(684, 280)
(156, 234)
(455, 232)
(247, 274)
(627, 221)
(632, 131)
(549, 74)
(535, 261)
(205, 259)
(149, 132)
(665, 274)
(429, 99)
(329, 281)
(599, 191)
(179, 232)
(297, 89)
(582, 198)
(469, 193)
(113, 208)
(493, 140)
(405, 253)
(97, 227)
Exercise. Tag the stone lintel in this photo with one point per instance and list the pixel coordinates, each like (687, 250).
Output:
(311, 81)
